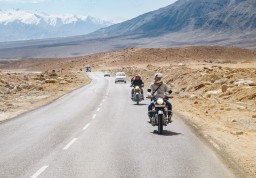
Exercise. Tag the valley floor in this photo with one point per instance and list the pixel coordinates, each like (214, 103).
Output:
(214, 89)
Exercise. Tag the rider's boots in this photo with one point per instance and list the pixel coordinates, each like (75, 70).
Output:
(169, 116)
(150, 117)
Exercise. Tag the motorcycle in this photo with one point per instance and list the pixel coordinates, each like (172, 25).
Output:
(88, 69)
(161, 114)
(137, 94)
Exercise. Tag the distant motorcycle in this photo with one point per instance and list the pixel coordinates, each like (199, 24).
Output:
(137, 94)
(161, 114)
(88, 69)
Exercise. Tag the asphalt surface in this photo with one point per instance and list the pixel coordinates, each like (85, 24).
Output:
(97, 131)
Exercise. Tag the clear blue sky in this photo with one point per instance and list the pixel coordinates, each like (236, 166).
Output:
(114, 10)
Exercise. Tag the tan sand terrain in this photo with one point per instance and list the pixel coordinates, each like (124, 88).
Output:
(21, 91)
(214, 89)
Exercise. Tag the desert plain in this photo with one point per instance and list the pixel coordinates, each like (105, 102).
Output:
(214, 89)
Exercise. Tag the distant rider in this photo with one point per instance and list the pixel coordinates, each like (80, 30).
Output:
(158, 88)
(137, 81)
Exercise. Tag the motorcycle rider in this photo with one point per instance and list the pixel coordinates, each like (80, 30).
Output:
(88, 68)
(137, 81)
(158, 89)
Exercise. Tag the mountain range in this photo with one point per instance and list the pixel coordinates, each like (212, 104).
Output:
(231, 16)
(184, 23)
(19, 24)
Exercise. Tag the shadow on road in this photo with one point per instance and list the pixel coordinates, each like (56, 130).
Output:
(167, 133)
(141, 104)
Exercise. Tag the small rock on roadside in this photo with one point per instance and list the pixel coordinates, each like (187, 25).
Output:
(252, 84)
(63, 82)
(199, 86)
(224, 88)
(239, 133)
(51, 81)
(221, 81)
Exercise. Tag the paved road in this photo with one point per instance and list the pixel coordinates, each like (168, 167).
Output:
(97, 131)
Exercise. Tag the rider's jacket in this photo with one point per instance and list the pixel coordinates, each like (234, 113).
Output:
(137, 82)
(160, 91)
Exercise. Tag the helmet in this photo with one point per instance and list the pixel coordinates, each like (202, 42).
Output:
(137, 76)
(158, 75)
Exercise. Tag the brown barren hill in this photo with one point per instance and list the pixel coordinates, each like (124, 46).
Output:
(130, 56)
(216, 54)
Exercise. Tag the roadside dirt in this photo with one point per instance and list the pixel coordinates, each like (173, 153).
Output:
(21, 90)
(214, 88)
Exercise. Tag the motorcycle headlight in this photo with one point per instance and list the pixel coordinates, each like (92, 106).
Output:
(137, 88)
(160, 101)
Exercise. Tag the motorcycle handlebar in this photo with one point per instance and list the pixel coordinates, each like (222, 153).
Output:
(136, 85)
(165, 98)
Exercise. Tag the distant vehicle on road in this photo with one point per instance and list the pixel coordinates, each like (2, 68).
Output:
(88, 68)
(120, 77)
(106, 74)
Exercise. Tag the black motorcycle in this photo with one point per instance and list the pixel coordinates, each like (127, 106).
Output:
(161, 113)
(88, 69)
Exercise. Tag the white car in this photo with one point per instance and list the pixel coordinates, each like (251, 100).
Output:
(106, 74)
(120, 77)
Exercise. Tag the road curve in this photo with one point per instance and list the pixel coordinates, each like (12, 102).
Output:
(97, 131)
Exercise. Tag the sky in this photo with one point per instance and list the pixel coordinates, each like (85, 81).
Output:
(111, 10)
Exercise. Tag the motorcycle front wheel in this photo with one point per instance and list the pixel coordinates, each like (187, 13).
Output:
(137, 99)
(160, 124)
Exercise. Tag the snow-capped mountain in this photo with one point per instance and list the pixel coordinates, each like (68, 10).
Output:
(18, 24)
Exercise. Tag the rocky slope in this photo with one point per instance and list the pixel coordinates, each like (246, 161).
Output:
(189, 15)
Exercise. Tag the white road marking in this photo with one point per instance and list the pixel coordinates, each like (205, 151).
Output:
(100, 104)
(103, 100)
(69, 144)
(87, 125)
(40, 171)
(98, 109)
(94, 116)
